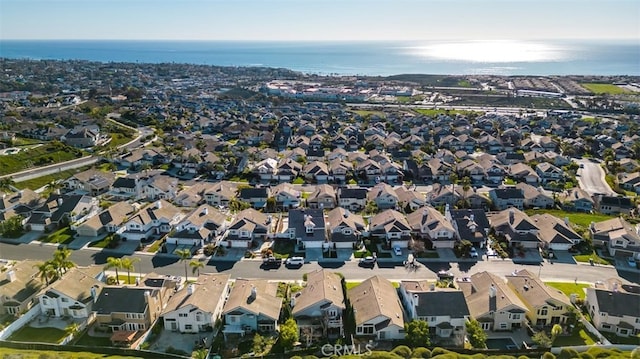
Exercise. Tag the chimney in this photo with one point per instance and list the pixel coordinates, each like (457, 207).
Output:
(190, 289)
(566, 221)
(254, 292)
(512, 216)
(147, 295)
(492, 291)
(94, 294)
(416, 300)
(59, 201)
(11, 276)
(158, 204)
(205, 211)
(432, 287)
(293, 302)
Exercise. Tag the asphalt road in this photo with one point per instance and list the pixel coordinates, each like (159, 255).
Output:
(591, 178)
(170, 265)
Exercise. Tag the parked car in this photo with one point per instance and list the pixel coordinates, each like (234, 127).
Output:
(294, 262)
(271, 262)
(473, 253)
(397, 251)
(443, 274)
(368, 261)
(632, 262)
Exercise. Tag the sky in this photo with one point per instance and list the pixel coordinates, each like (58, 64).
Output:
(319, 20)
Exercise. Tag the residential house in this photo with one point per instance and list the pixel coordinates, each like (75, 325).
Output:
(199, 227)
(354, 199)
(316, 171)
(19, 287)
(287, 170)
(253, 306)
(344, 229)
(126, 188)
(377, 309)
(384, 196)
(324, 197)
(535, 197)
(548, 172)
(578, 200)
(410, 200)
(61, 209)
(444, 309)
(159, 187)
(319, 308)
(471, 225)
(339, 170)
(197, 306)
(523, 173)
(614, 205)
(621, 238)
(247, 226)
(555, 233)
(110, 220)
(428, 223)
(518, 229)
(220, 194)
(92, 181)
(442, 195)
(492, 302)
(73, 295)
(504, 198)
(286, 196)
(392, 226)
(266, 169)
(546, 306)
(614, 311)
(630, 181)
(191, 196)
(257, 197)
(154, 219)
(307, 228)
(127, 309)
(21, 203)
(82, 137)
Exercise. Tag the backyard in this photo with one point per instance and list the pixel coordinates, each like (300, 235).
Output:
(39, 354)
(568, 288)
(580, 219)
(579, 337)
(41, 335)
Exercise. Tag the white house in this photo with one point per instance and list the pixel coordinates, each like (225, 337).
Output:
(614, 311)
(153, 219)
(199, 227)
(72, 295)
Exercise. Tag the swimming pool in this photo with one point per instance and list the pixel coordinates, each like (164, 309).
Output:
(501, 343)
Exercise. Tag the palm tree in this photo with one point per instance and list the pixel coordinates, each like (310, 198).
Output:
(195, 266)
(61, 260)
(184, 254)
(46, 271)
(113, 262)
(6, 184)
(555, 331)
(129, 264)
(54, 186)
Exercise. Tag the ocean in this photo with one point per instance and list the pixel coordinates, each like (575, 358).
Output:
(541, 58)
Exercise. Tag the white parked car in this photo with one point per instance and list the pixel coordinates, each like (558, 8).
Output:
(397, 251)
(294, 262)
(473, 253)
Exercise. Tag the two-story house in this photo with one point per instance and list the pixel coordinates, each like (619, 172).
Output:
(344, 229)
(429, 224)
(153, 219)
(19, 287)
(253, 306)
(548, 172)
(555, 233)
(286, 196)
(504, 198)
(319, 308)
(377, 309)
(546, 306)
(197, 306)
(307, 228)
(220, 194)
(91, 181)
(247, 226)
(73, 295)
(619, 236)
(383, 195)
(517, 228)
(471, 225)
(110, 220)
(578, 200)
(535, 197)
(257, 197)
(354, 199)
(392, 227)
(444, 309)
(614, 311)
(200, 226)
(492, 303)
(21, 203)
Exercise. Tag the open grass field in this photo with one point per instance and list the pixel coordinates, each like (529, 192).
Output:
(42, 181)
(61, 236)
(367, 113)
(608, 89)
(580, 219)
(58, 354)
(432, 112)
(568, 288)
(41, 335)
(40, 156)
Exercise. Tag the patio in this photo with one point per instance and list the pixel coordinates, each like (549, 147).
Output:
(44, 321)
(184, 342)
(518, 336)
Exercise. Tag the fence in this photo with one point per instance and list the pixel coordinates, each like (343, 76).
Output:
(93, 349)
(20, 322)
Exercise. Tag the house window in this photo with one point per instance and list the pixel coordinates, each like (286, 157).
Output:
(624, 332)
(141, 327)
(432, 319)
(64, 300)
(485, 325)
(13, 310)
(542, 311)
(367, 329)
(182, 315)
(514, 316)
(503, 325)
(309, 229)
(188, 327)
(606, 326)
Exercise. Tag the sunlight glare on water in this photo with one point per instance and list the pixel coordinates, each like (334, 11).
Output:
(495, 51)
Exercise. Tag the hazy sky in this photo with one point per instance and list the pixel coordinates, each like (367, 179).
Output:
(320, 19)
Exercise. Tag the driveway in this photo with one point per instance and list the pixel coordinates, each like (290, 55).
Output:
(591, 178)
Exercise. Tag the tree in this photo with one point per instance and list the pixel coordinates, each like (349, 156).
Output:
(195, 266)
(6, 184)
(54, 186)
(288, 334)
(477, 336)
(542, 339)
(555, 331)
(61, 261)
(46, 271)
(116, 263)
(128, 264)
(184, 254)
(417, 333)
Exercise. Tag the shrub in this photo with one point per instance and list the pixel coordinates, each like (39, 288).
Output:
(438, 351)
(548, 355)
(586, 355)
(403, 351)
(568, 353)
(421, 352)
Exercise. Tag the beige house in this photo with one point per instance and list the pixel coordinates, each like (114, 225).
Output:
(318, 308)
(19, 286)
(428, 223)
(377, 309)
(111, 220)
(74, 294)
(253, 305)
(545, 305)
(492, 302)
(127, 309)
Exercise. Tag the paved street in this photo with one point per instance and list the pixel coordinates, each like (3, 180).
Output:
(591, 178)
(164, 264)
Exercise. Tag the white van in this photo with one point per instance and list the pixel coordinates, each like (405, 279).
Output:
(295, 261)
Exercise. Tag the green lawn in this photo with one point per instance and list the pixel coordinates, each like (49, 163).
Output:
(568, 288)
(40, 156)
(61, 236)
(41, 335)
(581, 219)
(614, 339)
(367, 113)
(118, 139)
(584, 258)
(58, 354)
(283, 248)
(435, 112)
(605, 89)
(509, 181)
(154, 246)
(103, 243)
(579, 337)
(361, 254)
(90, 341)
(42, 181)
